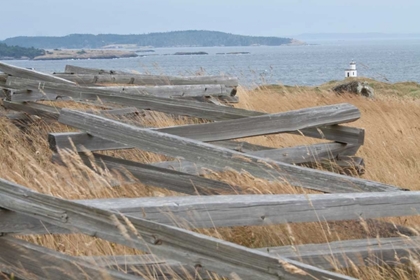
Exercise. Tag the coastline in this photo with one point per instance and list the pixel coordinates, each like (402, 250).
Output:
(66, 54)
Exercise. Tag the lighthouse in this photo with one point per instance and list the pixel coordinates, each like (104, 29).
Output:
(352, 71)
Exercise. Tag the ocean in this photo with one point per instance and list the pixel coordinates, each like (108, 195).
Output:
(312, 64)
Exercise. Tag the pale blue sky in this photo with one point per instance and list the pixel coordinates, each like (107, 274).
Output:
(260, 18)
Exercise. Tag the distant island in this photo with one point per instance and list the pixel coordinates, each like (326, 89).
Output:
(190, 38)
(17, 52)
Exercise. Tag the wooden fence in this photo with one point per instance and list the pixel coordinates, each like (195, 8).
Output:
(161, 227)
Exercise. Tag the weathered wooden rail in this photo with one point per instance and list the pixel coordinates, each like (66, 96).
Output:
(240, 210)
(339, 254)
(165, 91)
(160, 227)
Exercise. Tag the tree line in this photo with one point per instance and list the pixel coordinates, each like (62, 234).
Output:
(19, 52)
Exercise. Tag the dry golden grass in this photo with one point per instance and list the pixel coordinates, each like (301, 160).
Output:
(391, 153)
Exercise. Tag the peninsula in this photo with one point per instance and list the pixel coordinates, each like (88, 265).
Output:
(190, 38)
(59, 54)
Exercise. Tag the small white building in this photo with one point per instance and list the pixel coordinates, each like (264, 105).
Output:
(352, 71)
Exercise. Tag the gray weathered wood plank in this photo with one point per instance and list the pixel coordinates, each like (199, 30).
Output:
(51, 112)
(143, 79)
(195, 109)
(33, 95)
(240, 210)
(149, 265)
(119, 111)
(332, 255)
(216, 157)
(302, 155)
(164, 178)
(33, 108)
(179, 91)
(31, 74)
(247, 210)
(241, 146)
(72, 69)
(338, 133)
(171, 91)
(350, 253)
(162, 240)
(268, 124)
(30, 261)
(15, 223)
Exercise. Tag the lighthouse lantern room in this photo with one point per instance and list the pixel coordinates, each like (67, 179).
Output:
(352, 71)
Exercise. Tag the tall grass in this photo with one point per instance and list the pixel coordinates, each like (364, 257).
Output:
(391, 152)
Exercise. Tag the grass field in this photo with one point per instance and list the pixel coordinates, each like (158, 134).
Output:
(391, 152)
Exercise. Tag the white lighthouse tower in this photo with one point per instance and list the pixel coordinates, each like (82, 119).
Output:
(352, 71)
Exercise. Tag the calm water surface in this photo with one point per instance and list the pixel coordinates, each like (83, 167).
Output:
(320, 62)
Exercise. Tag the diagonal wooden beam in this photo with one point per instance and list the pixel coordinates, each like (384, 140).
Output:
(349, 253)
(300, 155)
(30, 261)
(31, 74)
(33, 108)
(162, 240)
(164, 178)
(51, 112)
(333, 255)
(268, 124)
(213, 156)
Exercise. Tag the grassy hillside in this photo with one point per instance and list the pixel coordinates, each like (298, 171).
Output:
(165, 39)
(400, 89)
(391, 152)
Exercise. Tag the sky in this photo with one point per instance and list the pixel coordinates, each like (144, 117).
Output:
(259, 18)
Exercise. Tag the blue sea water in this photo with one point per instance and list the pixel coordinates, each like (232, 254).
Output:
(312, 64)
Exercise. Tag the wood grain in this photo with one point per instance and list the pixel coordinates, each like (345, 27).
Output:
(143, 79)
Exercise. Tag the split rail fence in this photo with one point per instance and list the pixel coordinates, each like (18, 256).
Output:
(161, 227)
